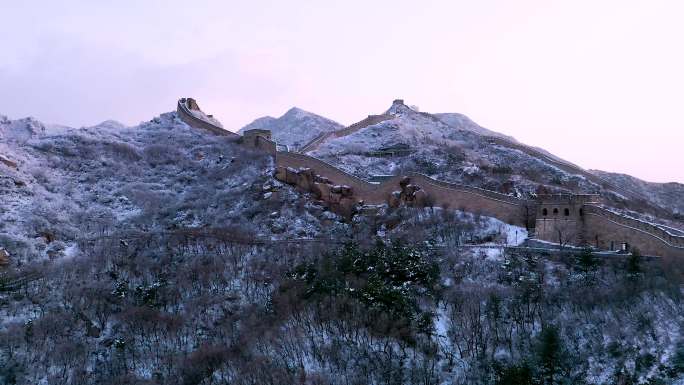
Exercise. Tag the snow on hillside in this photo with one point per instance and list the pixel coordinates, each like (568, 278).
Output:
(20, 130)
(209, 311)
(408, 127)
(451, 147)
(109, 125)
(665, 194)
(451, 152)
(157, 176)
(295, 128)
(463, 122)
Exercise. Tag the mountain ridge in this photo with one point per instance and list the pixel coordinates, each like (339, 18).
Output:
(447, 146)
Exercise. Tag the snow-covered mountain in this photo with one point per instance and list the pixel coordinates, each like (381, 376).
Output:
(56, 188)
(295, 128)
(83, 298)
(21, 130)
(452, 147)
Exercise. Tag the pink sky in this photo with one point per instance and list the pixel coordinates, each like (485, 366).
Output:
(598, 83)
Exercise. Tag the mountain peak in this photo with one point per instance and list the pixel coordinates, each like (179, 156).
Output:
(293, 110)
(110, 124)
(298, 113)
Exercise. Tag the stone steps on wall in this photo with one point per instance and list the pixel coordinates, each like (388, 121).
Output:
(315, 142)
(369, 121)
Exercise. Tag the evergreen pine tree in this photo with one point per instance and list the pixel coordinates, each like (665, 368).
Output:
(550, 355)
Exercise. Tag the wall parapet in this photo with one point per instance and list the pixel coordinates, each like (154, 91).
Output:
(296, 160)
(507, 208)
(323, 167)
(184, 114)
(569, 198)
(315, 142)
(633, 223)
(472, 189)
(369, 121)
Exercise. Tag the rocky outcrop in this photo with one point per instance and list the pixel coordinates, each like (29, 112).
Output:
(4, 257)
(7, 162)
(340, 198)
(343, 199)
(410, 195)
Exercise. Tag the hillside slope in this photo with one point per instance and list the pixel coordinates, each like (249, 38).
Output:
(155, 177)
(664, 194)
(463, 122)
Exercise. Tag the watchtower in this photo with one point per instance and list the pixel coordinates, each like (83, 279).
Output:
(260, 139)
(560, 217)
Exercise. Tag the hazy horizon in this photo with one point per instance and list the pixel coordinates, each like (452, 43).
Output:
(599, 85)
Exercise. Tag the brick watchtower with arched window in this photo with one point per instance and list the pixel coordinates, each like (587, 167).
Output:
(560, 217)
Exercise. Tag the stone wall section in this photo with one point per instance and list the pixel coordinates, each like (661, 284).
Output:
(369, 121)
(184, 114)
(586, 221)
(434, 193)
(609, 230)
(590, 224)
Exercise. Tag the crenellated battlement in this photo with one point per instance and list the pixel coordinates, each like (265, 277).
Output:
(572, 199)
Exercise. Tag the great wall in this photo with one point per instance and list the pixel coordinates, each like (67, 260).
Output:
(566, 219)
(369, 121)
